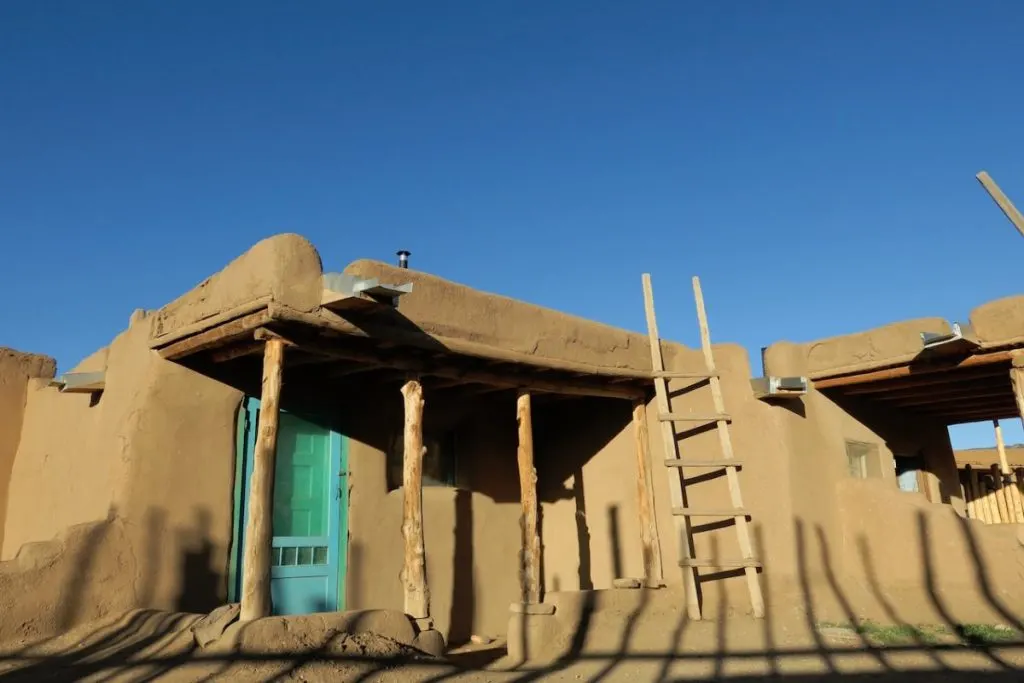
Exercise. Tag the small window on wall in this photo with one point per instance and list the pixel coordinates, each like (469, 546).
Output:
(438, 461)
(860, 457)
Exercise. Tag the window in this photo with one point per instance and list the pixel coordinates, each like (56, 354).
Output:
(438, 461)
(860, 458)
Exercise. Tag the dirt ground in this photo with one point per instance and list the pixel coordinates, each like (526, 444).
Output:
(149, 646)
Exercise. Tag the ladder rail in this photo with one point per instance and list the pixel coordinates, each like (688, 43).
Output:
(725, 441)
(677, 493)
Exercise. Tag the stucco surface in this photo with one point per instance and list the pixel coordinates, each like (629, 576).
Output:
(153, 453)
(999, 320)
(450, 310)
(895, 343)
(16, 370)
(284, 268)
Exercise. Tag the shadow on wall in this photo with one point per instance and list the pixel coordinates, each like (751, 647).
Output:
(652, 641)
(92, 570)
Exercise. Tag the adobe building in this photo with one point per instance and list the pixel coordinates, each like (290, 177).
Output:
(380, 438)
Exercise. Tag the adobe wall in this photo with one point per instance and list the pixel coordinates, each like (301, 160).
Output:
(16, 370)
(869, 549)
(152, 456)
(994, 324)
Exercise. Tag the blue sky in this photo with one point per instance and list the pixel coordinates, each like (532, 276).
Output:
(812, 162)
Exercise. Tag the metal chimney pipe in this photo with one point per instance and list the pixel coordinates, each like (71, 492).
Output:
(403, 258)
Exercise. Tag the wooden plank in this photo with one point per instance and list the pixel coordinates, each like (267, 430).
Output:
(725, 440)
(668, 439)
(715, 462)
(256, 561)
(710, 512)
(221, 335)
(672, 374)
(166, 338)
(976, 360)
(695, 417)
(414, 566)
(529, 575)
(1002, 201)
(721, 564)
(650, 543)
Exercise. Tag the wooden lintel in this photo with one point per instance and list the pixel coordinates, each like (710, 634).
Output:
(529, 573)
(256, 560)
(925, 382)
(976, 360)
(221, 335)
(414, 568)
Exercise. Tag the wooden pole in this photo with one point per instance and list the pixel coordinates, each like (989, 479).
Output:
(649, 540)
(414, 567)
(1000, 495)
(980, 505)
(529, 578)
(968, 492)
(1001, 200)
(258, 529)
(1013, 498)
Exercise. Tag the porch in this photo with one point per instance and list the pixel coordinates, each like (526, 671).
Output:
(361, 367)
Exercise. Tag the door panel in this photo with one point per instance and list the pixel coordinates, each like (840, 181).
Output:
(309, 515)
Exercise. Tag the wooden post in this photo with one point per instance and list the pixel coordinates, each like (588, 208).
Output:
(258, 529)
(414, 567)
(980, 504)
(649, 541)
(529, 578)
(1000, 495)
(1013, 499)
(1017, 382)
(968, 493)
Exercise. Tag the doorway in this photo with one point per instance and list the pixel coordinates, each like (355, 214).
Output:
(309, 518)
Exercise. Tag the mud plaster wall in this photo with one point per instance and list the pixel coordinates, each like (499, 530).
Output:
(471, 532)
(447, 309)
(155, 453)
(284, 268)
(16, 369)
(867, 547)
(993, 323)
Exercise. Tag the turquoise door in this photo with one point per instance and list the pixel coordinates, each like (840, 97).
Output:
(309, 516)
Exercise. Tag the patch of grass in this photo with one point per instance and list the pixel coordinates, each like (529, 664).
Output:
(896, 634)
(902, 634)
(985, 634)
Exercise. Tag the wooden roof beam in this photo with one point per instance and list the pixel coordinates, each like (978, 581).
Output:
(913, 370)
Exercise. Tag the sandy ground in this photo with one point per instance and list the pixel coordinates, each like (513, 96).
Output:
(147, 646)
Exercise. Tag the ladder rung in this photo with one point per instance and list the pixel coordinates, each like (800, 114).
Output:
(694, 417)
(710, 512)
(719, 564)
(672, 374)
(718, 462)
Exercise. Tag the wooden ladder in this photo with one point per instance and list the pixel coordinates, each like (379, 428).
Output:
(675, 465)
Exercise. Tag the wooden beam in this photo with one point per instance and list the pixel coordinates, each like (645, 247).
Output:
(976, 360)
(1002, 201)
(650, 543)
(525, 382)
(529, 576)
(258, 530)
(414, 568)
(1013, 500)
(223, 334)
(920, 383)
